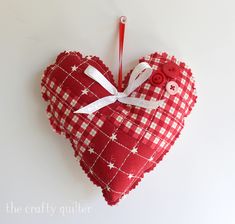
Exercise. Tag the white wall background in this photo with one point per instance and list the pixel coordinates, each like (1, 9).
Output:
(194, 184)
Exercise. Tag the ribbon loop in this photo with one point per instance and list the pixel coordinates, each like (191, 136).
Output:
(138, 76)
(93, 73)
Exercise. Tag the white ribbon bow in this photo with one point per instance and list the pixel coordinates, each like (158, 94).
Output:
(138, 76)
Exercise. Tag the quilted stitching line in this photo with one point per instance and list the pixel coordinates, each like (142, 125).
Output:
(96, 96)
(83, 84)
(146, 130)
(61, 60)
(107, 163)
(127, 188)
(94, 125)
(70, 74)
(69, 110)
(137, 143)
(140, 170)
(100, 180)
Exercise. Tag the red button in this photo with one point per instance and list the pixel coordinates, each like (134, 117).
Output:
(172, 87)
(158, 78)
(171, 69)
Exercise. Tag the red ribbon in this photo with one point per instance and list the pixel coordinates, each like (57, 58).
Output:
(122, 23)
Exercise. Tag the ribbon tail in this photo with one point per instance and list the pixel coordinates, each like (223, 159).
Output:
(96, 105)
(141, 102)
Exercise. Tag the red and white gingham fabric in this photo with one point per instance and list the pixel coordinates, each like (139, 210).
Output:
(119, 143)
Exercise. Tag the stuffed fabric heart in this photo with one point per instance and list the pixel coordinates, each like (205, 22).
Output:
(117, 144)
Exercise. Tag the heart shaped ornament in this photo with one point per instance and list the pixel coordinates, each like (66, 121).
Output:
(118, 136)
